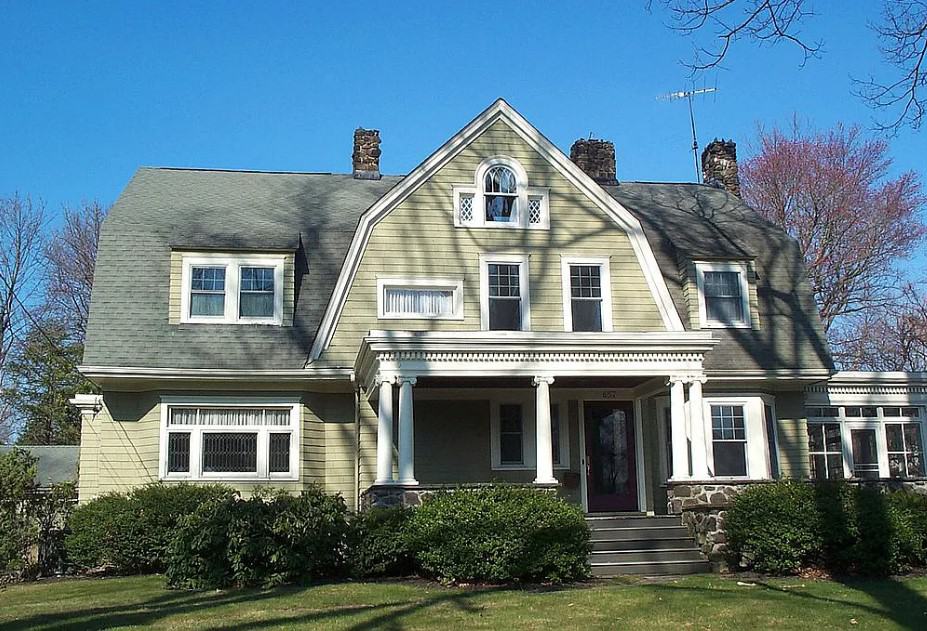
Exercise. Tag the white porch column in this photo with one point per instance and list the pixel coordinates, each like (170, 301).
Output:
(406, 432)
(545, 456)
(385, 434)
(700, 433)
(678, 423)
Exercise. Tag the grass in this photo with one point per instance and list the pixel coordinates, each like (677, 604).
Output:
(698, 602)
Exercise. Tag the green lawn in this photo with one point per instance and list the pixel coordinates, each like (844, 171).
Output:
(699, 602)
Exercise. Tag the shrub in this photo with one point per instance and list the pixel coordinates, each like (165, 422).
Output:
(378, 543)
(266, 540)
(773, 527)
(129, 533)
(845, 528)
(499, 534)
(18, 530)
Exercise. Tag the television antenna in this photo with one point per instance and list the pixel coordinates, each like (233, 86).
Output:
(688, 96)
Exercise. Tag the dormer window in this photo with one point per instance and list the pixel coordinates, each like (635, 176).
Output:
(723, 295)
(500, 197)
(232, 289)
(500, 194)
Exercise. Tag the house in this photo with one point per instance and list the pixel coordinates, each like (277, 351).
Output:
(504, 312)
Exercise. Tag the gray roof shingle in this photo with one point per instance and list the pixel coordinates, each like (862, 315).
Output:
(316, 215)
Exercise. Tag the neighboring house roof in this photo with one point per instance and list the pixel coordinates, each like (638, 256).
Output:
(691, 222)
(56, 463)
(312, 213)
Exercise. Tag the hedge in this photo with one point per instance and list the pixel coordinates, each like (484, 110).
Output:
(129, 533)
(499, 534)
(783, 527)
(266, 540)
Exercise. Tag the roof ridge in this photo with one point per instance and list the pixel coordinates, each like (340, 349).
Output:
(256, 171)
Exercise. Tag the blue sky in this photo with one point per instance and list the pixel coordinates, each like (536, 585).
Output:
(93, 90)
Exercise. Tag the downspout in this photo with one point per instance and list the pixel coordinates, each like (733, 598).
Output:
(356, 447)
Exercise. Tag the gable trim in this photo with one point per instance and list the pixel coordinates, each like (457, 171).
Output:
(499, 110)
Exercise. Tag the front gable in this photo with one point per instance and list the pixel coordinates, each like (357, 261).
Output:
(415, 233)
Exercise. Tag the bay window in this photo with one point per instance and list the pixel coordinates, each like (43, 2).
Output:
(729, 440)
(252, 440)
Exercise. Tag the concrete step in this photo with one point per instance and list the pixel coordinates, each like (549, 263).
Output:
(646, 532)
(647, 543)
(633, 556)
(625, 521)
(650, 568)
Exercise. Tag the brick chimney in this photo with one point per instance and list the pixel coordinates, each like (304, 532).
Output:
(366, 156)
(719, 165)
(596, 158)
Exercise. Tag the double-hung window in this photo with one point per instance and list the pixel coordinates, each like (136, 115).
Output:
(825, 450)
(250, 441)
(514, 432)
(504, 293)
(232, 289)
(586, 294)
(723, 294)
(729, 440)
(420, 298)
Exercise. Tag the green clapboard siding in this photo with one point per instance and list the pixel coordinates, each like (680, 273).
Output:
(418, 239)
(120, 445)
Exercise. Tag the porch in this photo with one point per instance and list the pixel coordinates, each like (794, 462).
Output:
(582, 416)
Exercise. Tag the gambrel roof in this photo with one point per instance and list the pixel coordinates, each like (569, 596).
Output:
(317, 216)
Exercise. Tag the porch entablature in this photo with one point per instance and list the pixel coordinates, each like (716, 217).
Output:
(393, 354)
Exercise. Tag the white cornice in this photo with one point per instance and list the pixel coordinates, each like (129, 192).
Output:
(521, 354)
(499, 110)
(95, 373)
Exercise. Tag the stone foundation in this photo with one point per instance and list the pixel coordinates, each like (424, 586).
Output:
(386, 496)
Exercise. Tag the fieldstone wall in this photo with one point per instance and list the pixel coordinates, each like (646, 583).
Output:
(386, 496)
(366, 156)
(719, 165)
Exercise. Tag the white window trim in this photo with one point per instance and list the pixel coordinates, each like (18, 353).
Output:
(196, 432)
(507, 259)
(723, 266)
(232, 265)
(758, 467)
(454, 284)
(529, 433)
(521, 208)
(604, 264)
(844, 455)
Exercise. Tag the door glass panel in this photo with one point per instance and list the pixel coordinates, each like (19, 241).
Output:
(865, 453)
(613, 454)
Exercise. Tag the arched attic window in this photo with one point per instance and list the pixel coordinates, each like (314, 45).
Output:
(501, 198)
(500, 194)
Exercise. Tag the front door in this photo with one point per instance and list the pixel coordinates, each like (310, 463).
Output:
(611, 471)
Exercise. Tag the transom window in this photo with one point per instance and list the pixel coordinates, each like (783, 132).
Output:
(232, 289)
(729, 440)
(500, 194)
(723, 294)
(587, 295)
(825, 451)
(504, 302)
(233, 442)
(429, 299)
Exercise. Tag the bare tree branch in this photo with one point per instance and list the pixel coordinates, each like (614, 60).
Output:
(902, 35)
(71, 256)
(764, 21)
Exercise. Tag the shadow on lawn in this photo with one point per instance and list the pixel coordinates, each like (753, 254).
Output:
(387, 615)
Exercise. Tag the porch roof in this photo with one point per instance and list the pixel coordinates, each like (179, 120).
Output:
(389, 354)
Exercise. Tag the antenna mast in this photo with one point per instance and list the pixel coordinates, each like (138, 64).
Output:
(687, 95)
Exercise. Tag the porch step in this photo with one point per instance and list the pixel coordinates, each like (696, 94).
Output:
(642, 544)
